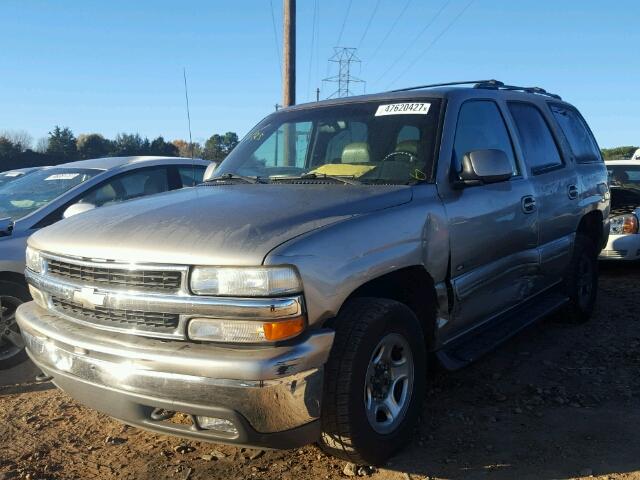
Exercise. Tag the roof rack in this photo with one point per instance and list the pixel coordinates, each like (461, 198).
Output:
(486, 84)
(498, 85)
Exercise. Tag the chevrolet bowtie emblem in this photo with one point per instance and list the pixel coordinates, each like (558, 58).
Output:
(88, 298)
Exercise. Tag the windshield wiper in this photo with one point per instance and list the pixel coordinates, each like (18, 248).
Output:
(322, 176)
(235, 176)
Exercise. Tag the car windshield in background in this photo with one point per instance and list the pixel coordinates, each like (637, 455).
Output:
(368, 142)
(6, 177)
(624, 176)
(31, 192)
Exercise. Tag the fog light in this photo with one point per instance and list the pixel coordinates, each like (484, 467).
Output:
(217, 424)
(37, 296)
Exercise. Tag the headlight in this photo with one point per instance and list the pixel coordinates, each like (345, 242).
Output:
(622, 224)
(245, 281)
(34, 260)
(240, 331)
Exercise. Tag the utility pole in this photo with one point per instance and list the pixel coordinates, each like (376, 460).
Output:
(289, 53)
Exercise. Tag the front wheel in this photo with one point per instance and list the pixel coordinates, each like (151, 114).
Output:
(374, 381)
(11, 344)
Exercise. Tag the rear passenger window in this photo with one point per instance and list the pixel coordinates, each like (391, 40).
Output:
(538, 146)
(481, 127)
(582, 143)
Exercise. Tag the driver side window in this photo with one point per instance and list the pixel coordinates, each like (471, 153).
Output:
(481, 127)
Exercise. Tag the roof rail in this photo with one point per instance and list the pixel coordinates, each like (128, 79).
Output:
(497, 85)
(486, 84)
(448, 84)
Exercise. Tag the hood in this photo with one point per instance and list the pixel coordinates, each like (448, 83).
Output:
(624, 200)
(212, 225)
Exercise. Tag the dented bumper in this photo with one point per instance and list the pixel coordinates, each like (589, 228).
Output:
(271, 395)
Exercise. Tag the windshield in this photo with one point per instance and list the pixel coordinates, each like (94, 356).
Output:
(371, 142)
(624, 176)
(30, 192)
(6, 177)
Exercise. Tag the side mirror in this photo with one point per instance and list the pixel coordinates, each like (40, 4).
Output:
(77, 208)
(485, 166)
(208, 173)
(6, 226)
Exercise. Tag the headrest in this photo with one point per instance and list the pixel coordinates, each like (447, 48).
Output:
(410, 146)
(356, 152)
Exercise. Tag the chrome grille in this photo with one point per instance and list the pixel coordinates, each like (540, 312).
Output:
(156, 280)
(112, 317)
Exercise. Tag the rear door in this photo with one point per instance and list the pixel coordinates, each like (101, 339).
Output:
(555, 182)
(494, 259)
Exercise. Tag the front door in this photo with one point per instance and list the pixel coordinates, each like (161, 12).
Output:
(493, 227)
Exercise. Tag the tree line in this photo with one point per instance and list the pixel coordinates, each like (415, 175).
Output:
(619, 153)
(61, 146)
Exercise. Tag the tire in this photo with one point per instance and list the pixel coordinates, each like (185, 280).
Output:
(357, 372)
(581, 281)
(12, 294)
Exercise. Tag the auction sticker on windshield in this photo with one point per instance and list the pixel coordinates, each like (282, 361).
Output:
(403, 109)
(62, 176)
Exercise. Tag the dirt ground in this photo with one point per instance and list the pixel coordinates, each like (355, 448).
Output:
(557, 401)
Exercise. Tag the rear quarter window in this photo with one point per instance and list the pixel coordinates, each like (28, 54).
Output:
(575, 129)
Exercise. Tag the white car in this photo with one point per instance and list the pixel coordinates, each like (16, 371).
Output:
(624, 183)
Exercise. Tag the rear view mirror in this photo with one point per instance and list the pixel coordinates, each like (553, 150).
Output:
(485, 166)
(77, 208)
(208, 173)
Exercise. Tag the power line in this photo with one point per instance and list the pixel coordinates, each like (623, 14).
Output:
(313, 39)
(344, 22)
(435, 40)
(415, 40)
(393, 26)
(366, 29)
(275, 37)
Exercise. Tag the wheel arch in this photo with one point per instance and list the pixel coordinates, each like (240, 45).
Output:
(591, 225)
(13, 277)
(413, 286)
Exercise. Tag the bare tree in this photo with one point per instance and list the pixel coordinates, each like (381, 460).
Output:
(20, 138)
(42, 144)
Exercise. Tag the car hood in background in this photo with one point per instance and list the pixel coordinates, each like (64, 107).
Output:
(212, 225)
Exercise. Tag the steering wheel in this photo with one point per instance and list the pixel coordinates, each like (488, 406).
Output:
(417, 174)
(412, 157)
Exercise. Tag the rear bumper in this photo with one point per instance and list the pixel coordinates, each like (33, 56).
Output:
(271, 396)
(622, 247)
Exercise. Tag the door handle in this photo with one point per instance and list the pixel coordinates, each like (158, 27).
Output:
(572, 192)
(528, 204)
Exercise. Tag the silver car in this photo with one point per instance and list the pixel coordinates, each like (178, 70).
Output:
(301, 293)
(47, 195)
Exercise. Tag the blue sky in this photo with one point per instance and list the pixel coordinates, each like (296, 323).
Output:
(116, 66)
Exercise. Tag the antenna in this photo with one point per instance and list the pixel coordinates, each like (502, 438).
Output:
(186, 97)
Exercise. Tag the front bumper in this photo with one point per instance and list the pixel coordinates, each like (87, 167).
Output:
(622, 247)
(271, 395)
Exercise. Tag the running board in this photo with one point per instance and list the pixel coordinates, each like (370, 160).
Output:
(475, 344)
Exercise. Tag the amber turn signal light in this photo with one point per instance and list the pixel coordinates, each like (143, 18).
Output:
(275, 331)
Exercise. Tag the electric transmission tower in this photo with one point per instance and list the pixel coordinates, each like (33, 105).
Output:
(345, 58)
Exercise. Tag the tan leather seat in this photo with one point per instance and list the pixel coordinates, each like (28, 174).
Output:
(356, 152)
